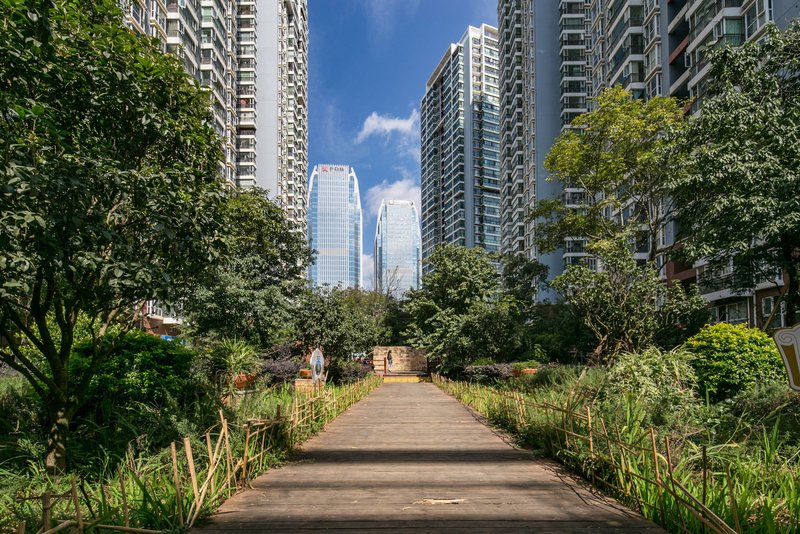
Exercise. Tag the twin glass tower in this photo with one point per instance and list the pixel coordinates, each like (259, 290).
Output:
(335, 229)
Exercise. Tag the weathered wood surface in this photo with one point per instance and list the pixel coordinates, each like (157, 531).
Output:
(408, 458)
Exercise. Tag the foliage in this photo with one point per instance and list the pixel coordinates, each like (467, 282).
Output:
(460, 313)
(662, 383)
(280, 371)
(739, 197)
(348, 371)
(626, 306)
(96, 115)
(489, 373)
(139, 367)
(342, 322)
(522, 278)
(560, 332)
(249, 292)
(620, 155)
(729, 358)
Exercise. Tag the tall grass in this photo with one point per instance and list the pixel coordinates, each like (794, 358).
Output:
(682, 485)
(144, 492)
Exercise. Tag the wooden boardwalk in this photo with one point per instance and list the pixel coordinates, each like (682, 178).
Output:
(410, 458)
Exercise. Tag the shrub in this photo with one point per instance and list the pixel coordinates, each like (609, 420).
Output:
(494, 372)
(141, 368)
(276, 372)
(730, 358)
(348, 371)
(662, 383)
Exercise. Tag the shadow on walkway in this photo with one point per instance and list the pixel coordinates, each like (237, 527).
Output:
(410, 458)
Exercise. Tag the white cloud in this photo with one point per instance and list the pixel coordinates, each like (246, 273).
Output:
(368, 271)
(406, 188)
(385, 125)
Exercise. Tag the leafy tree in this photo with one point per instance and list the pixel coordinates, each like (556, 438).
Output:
(110, 189)
(619, 156)
(342, 322)
(740, 197)
(560, 332)
(522, 278)
(460, 313)
(626, 306)
(249, 292)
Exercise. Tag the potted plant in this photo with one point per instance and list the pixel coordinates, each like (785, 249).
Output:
(240, 360)
(524, 368)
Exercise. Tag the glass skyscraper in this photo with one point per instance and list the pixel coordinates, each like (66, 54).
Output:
(398, 250)
(334, 226)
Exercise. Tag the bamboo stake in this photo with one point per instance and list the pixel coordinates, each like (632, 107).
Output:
(671, 474)
(245, 454)
(76, 502)
(705, 480)
(187, 445)
(210, 469)
(177, 478)
(22, 527)
(46, 519)
(658, 475)
(228, 456)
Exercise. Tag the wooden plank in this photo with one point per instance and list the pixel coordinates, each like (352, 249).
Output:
(380, 465)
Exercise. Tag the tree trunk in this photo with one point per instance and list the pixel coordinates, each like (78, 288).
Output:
(56, 457)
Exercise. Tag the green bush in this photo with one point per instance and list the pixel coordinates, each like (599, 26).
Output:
(662, 383)
(140, 368)
(730, 358)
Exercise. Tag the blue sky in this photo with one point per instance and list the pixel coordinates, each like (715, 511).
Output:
(368, 64)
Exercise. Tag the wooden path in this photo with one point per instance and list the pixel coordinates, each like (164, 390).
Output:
(410, 458)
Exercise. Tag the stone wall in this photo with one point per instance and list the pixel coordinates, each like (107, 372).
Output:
(404, 360)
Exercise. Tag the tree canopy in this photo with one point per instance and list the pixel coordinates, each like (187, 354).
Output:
(461, 312)
(110, 193)
(627, 306)
(739, 200)
(614, 166)
(250, 291)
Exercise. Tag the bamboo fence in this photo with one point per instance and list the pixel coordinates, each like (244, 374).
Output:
(633, 468)
(200, 485)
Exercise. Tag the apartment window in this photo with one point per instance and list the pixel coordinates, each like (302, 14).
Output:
(734, 313)
(757, 16)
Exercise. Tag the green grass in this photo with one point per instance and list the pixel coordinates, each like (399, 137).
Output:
(753, 485)
(147, 480)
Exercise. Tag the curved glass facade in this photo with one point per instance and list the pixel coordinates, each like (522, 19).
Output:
(398, 251)
(334, 226)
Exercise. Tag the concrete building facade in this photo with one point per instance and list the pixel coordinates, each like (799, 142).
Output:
(460, 145)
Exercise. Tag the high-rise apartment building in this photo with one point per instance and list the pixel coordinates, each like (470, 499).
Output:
(398, 248)
(273, 101)
(651, 47)
(517, 168)
(334, 226)
(544, 86)
(218, 73)
(253, 57)
(460, 145)
(148, 17)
